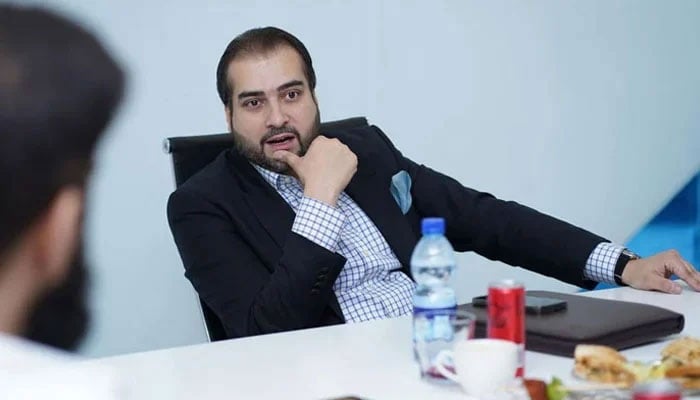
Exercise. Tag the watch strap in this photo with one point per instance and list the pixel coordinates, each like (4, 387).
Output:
(625, 257)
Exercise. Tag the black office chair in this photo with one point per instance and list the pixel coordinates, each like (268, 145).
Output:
(190, 154)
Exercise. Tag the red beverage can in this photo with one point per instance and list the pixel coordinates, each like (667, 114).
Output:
(506, 308)
(662, 389)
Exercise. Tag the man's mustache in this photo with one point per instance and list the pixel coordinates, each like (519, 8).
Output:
(276, 131)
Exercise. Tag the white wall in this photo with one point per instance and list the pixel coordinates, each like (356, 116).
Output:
(587, 110)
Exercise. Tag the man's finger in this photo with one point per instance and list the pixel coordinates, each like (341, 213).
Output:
(288, 157)
(662, 284)
(689, 266)
(683, 270)
(689, 274)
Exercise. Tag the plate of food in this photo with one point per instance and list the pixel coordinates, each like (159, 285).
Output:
(607, 374)
(678, 361)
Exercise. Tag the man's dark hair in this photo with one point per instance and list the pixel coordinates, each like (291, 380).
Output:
(58, 90)
(259, 41)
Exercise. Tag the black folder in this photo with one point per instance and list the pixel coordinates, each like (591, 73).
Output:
(588, 320)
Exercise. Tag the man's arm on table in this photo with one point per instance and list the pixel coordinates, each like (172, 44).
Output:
(497, 229)
(520, 236)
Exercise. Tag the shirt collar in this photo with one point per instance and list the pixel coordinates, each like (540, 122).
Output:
(278, 181)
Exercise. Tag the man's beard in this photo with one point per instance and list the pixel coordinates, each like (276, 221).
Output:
(255, 153)
(60, 319)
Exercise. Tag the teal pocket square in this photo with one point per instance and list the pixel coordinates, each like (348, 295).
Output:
(401, 190)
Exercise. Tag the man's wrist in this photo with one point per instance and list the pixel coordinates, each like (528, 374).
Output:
(323, 194)
(622, 262)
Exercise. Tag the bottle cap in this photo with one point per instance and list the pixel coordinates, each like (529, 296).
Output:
(433, 226)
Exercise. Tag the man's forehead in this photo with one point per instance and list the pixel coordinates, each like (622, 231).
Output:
(265, 70)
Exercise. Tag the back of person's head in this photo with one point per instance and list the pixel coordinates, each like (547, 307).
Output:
(259, 41)
(58, 90)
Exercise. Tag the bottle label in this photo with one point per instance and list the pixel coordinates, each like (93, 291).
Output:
(433, 323)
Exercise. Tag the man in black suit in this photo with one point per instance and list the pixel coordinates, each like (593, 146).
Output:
(296, 228)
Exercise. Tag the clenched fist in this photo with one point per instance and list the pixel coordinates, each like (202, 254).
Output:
(325, 170)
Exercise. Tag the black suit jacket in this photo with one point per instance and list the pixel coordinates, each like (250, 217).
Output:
(233, 232)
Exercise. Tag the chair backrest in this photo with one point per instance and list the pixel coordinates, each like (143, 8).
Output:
(190, 154)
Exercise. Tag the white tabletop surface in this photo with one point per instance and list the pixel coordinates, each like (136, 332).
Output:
(372, 360)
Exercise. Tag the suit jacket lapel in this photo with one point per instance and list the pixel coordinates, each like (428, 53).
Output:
(268, 206)
(371, 191)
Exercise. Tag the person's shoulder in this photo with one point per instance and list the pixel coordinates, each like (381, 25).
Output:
(217, 183)
(210, 178)
(362, 136)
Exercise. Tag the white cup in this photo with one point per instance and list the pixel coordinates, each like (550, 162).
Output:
(482, 366)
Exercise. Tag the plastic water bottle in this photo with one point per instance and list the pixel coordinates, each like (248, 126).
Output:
(434, 301)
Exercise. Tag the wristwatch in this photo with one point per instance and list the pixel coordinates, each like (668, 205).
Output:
(625, 257)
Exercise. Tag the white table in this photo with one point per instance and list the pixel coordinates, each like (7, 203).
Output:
(372, 360)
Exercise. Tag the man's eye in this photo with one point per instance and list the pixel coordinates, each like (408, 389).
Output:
(292, 95)
(252, 103)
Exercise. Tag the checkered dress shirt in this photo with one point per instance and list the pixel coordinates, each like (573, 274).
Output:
(371, 285)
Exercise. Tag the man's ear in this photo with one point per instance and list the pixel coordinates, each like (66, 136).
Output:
(55, 236)
(229, 123)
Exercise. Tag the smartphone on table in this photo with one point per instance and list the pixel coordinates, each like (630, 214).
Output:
(534, 305)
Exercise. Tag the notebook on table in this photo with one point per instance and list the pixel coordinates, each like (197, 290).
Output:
(613, 323)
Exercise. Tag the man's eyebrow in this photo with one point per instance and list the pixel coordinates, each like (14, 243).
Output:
(289, 84)
(256, 93)
(259, 93)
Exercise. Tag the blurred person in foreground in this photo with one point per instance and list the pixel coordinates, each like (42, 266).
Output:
(58, 91)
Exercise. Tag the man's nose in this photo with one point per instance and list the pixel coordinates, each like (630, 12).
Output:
(276, 116)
